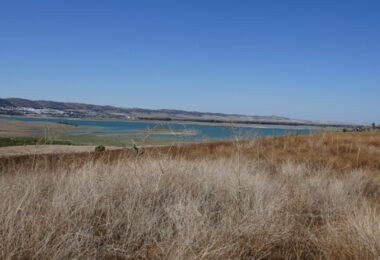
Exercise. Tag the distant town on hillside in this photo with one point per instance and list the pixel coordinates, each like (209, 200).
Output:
(25, 107)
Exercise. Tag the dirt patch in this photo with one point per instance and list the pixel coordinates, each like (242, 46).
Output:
(46, 149)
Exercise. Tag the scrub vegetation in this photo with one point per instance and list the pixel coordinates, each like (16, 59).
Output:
(313, 196)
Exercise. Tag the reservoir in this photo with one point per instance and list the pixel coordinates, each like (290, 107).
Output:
(180, 131)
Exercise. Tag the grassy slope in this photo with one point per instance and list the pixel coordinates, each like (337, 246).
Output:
(14, 141)
(306, 197)
(121, 141)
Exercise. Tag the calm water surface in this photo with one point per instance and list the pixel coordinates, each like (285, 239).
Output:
(199, 131)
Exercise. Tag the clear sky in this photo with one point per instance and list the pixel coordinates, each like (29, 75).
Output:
(317, 60)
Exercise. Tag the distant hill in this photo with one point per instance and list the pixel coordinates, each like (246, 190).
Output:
(5, 103)
(19, 106)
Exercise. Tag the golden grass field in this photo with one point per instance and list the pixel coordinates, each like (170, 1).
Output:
(311, 196)
(15, 128)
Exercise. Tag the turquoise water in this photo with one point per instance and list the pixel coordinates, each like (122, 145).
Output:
(199, 131)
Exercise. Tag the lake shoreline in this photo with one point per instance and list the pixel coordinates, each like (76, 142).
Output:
(264, 125)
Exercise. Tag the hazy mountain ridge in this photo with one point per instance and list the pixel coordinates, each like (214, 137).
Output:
(20, 106)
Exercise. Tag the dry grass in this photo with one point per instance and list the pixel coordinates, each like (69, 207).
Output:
(15, 128)
(299, 197)
(337, 151)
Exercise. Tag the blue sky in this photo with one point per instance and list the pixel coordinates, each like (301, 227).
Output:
(317, 60)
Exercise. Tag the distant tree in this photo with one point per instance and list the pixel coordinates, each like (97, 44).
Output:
(373, 126)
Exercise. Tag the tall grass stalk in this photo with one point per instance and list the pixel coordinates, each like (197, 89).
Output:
(175, 208)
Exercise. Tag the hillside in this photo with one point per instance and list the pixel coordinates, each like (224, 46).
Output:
(19, 106)
(294, 197)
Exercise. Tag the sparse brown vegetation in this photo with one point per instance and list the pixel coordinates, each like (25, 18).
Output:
(293, 197)
(47, 130)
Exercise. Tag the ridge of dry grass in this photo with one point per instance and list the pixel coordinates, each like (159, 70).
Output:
(340, 152)
(240, 200)
(336, 150)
